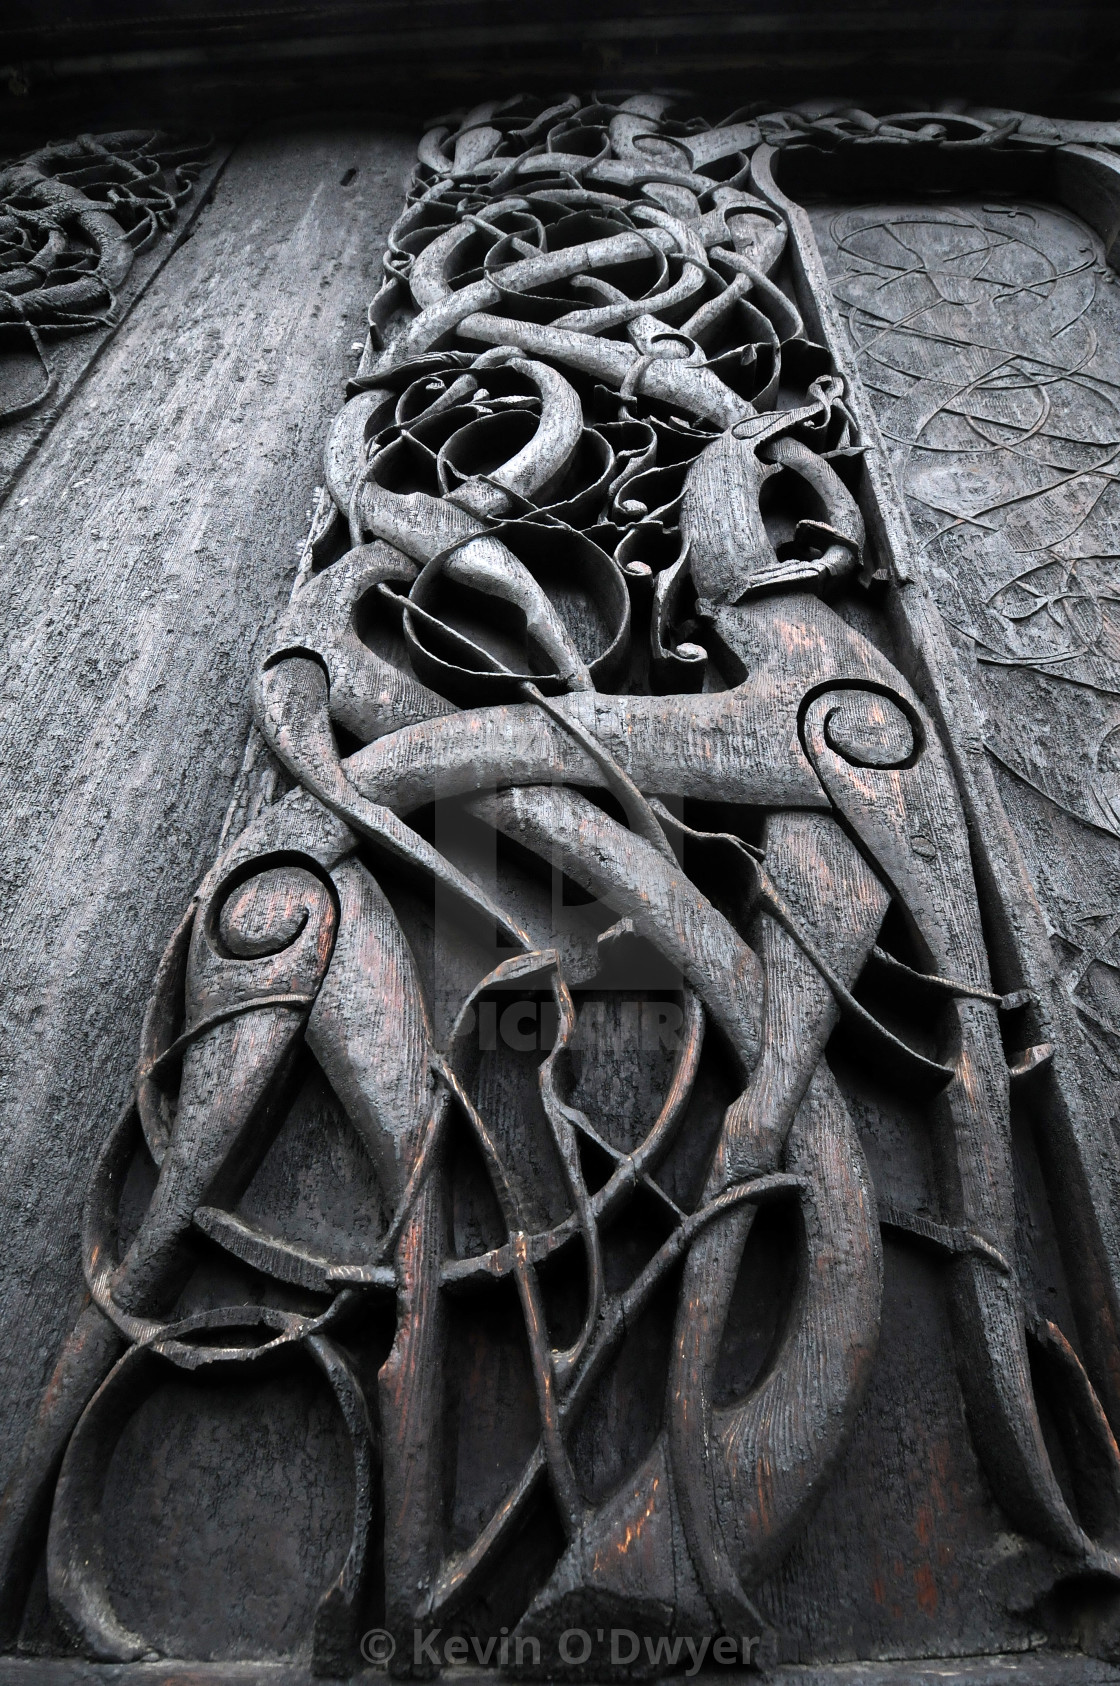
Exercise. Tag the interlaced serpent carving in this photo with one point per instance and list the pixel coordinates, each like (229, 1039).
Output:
(73, 216)
(588, 578)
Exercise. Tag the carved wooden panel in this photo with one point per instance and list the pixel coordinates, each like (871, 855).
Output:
(84, 225)
(987, 336)
(608, 1152)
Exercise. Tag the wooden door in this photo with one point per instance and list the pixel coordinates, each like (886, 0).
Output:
(559, 907)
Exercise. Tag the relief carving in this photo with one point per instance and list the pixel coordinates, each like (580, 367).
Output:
(73, 216)
(600, 806)
(987, 333)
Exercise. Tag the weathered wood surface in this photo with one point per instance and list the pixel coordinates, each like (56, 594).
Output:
(577, 1122)
(146, 554)
(987, 335)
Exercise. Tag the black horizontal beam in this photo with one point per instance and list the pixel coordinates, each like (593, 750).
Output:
(69, 62)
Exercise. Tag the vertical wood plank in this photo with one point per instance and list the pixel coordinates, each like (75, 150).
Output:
(146, 549)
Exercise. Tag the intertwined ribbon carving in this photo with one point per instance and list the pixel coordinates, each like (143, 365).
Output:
(590, 568)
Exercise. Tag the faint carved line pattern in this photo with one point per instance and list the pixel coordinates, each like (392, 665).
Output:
(1052, 610)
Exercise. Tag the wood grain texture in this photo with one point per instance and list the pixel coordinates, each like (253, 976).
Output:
(633, 948)
(145, 558)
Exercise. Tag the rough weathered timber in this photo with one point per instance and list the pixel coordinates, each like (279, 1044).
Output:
(146, 552)
(590, 1094)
